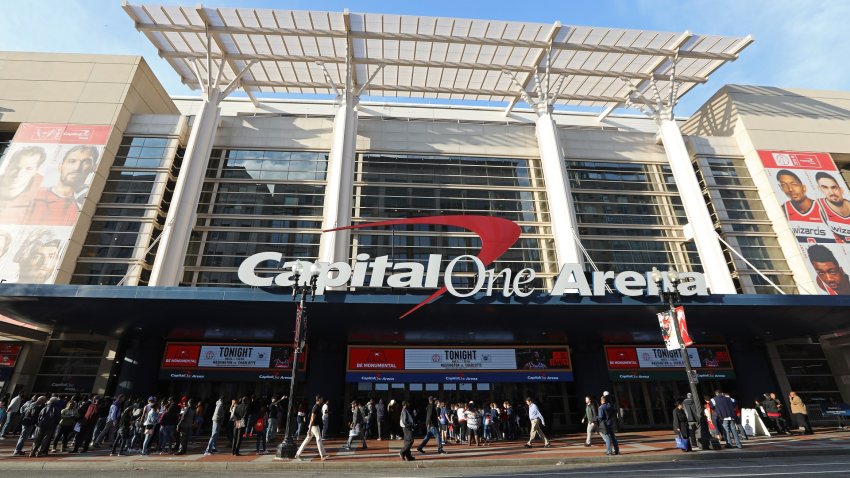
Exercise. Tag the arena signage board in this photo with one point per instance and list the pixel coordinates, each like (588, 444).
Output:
(497, 235)
(458, 364)
(228, 361)
(631, 362)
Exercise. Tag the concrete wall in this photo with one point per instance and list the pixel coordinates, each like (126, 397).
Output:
(79, 89)
(611, 145)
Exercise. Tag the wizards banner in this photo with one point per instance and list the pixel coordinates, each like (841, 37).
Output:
(45, 176)
(818, 213)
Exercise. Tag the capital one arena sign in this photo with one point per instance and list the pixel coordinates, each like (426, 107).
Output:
(497, 236)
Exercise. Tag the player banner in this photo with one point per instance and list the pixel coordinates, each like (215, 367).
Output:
(674, 339)
(45, 176)
(818, 211)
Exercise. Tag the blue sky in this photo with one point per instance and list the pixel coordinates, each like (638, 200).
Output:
(799, 43)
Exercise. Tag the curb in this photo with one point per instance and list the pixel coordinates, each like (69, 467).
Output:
(281, 465)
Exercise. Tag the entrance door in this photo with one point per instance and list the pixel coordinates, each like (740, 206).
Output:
(650, 404)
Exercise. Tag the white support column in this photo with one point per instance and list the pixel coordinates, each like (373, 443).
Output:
(561, 212)
(708, 246)
(168, 266)
(333, 246)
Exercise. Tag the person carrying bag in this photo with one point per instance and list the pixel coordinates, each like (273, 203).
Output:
(680, 426)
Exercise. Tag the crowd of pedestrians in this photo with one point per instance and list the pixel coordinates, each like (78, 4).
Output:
(132, 425)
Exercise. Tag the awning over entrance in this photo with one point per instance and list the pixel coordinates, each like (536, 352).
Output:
(221, 313)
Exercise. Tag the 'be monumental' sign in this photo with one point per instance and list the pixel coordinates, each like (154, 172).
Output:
(496, 234)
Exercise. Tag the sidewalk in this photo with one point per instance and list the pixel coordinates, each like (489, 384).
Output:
(634, 447)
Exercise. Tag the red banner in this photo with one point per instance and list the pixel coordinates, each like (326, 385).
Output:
(684, 336)
(796, 160)
(62, 133)
(622, 357)
(375, 358)
(181, 355)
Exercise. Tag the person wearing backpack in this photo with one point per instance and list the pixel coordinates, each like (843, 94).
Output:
(86, 417)
(122, 437)
(29, 420)
(48, 418)
(260, 429)
(167, 424)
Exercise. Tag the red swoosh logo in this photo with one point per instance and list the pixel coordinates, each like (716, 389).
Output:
(497, 236)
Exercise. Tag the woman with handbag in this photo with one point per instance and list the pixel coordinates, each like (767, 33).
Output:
(680, 426)
(238, 417)
(150, 422)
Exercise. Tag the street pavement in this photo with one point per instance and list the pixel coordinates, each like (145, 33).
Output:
(790, 466)
(652, 452)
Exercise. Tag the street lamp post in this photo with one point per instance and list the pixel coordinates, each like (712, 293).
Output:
(287, 447)
(672, 299)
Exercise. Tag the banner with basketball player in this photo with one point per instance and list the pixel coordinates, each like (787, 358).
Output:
(674, 338)
(818, 210)
(45, 176)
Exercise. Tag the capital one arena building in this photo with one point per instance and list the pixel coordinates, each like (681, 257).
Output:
(143, 237)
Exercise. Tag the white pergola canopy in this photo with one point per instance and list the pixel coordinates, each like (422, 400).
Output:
(285, 51)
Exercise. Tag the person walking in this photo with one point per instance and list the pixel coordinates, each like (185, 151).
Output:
(799, 413)
(473, 424)
(184, 426)
(406, 423)
(217, 422)
(13, 415)
(725, 409)
(67, 419)
(681, 425)
(356, 426)
(394, 413)
(606, 426)
(300, 420)
(369, 417)
(29, 420)
(314, 430)
(537, 423)
(380, 411)
(122, 437)
(774, 415)
(692, 413)
(149, 423)
(589, 419)
(326, 416)
(87, 417)
(260, 430)
(110, 425)
(167, 425)
(432, 426)
(48, 419)
(238, 417)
